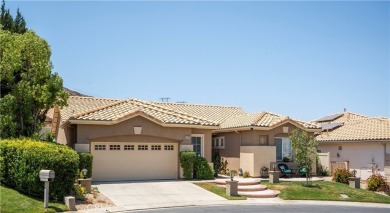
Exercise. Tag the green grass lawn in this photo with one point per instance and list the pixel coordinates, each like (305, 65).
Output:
(14, 201)
(325, 190)
(212, 187)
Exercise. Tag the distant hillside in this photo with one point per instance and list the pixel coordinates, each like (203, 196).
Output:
(74, 93)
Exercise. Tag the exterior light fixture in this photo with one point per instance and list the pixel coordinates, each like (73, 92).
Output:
(273, 166)
(84, 171)
(231, 175)
(354, 172)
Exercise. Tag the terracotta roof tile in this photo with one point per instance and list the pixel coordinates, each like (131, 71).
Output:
(262, 119)
(124, 108)
(215, 113)
(359, 130)
(355, 127)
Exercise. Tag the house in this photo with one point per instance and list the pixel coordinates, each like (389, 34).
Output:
(356, 142)
(138, 140)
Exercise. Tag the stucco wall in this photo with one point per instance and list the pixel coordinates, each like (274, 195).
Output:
(359, 155)
(151, 132)
(253, 158)
(66, 135)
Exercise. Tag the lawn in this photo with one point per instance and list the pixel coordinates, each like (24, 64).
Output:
(13, 201)
(325, 190)
(212, 187)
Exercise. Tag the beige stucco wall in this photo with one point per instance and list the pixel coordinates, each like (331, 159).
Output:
(66, 135)
(151, 132)
(324, 160)
(253, 158)
(359, 155)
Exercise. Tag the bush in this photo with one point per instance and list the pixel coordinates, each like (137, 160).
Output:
(202, 169)
(341, 175)
(79, 191)
(187, 160)
(376, 183)
(22, 159)
(86, 161)
(246, 174)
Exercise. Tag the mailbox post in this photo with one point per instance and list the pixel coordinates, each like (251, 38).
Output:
(46, 176)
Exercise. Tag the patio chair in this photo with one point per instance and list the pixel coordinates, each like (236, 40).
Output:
(302, 172)
(284, 170)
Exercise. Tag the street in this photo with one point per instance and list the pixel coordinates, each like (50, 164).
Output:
(294, 208)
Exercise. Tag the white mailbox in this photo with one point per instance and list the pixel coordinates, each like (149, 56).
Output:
(47, 175)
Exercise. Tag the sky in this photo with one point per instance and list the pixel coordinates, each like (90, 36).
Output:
(300, 59)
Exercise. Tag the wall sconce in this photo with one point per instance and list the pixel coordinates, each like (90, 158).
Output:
(137, 130)
(285, 129)
(231, 175)
(338, 155)
(84, 171)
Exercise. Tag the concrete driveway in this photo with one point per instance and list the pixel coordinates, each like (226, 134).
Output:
(155, 194)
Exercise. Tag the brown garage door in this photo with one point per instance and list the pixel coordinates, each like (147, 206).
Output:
(134, 161)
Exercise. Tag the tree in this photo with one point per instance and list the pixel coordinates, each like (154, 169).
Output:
(28, 88)
(304, 148)
(8, 23)
(19, 25)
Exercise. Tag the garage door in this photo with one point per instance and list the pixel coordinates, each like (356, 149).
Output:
(134, 161)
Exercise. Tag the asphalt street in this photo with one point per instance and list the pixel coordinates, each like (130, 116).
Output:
(295, 208)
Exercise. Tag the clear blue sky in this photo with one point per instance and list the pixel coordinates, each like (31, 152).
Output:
(301, 59)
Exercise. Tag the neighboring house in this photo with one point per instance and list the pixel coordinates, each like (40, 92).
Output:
(137, 140)
(356, 142)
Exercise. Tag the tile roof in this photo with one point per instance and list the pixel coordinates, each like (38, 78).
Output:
(263, 119)
(359, 130)
(117, 111)
(215, 113)
(79, 104)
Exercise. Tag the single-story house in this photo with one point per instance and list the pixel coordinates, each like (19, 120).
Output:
(138, 140)
(355, 142)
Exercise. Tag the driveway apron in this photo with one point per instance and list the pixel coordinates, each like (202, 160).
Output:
(155, 193)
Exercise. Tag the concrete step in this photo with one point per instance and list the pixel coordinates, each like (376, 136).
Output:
(260, 194)
(246, 188)
(241, 182)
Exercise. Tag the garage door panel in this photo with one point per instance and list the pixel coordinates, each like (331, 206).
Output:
(111, 165)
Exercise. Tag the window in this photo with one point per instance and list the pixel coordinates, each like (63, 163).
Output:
(142, 147)
(156, 147)
(115, 147)
(168, 147)
(129, 147)
(283, 148)
(197, 143)
(218, 142)
(100, 147)
(263, 140)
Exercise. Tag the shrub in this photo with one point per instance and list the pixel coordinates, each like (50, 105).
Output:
(376, 183)
(86, 161)
(80, 191)
(341, 175)
(22, 159)
(187, 160)
(202, 169)
(246, 174)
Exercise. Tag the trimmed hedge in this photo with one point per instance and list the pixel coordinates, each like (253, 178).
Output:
(86, 161)
(22, 159)
(202, 169)
(187, 160)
